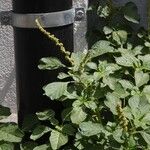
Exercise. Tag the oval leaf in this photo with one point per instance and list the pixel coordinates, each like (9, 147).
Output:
(57, 139)
(100, 48)
(39, 132)
(89, 128)
(55, 90)
(141, 78)
(10, 133)
(43, 147)
(126, 60)
(6, 146)
(131, 12)
(50, 63)
(120, 36)
(146, 137)
(45, 115)
(78, 115)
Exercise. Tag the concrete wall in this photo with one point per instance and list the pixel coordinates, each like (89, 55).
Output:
(7, 71)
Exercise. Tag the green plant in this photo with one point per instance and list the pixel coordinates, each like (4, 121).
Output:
(105, 90)
(10, 134)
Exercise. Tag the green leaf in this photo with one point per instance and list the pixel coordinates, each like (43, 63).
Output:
(120, 36)
(6, 146)
(55, 90)
(146, 92)
(144, 106)
(107, 30)
(54, 121)
(111, 68)
(4, 112)
(89, 128)
(132, 142)
(90, 104)
(57, 139)
(39, 131)
(43, 147)
(120, 91)
(126, 84)
(78, 103)
(137, 50)
(147, 44)
(146, 137)
(28, 146)
(78, 115)
(68, 129)
(105, 69)
(50, 63)
(146, 61)
(110, 81)
(131, 12)
(103, 11)
(98, 75)
(62, 75)
(78, 145)
(112, 102)
(71, 94)
(117, 135)
(139, 108)
(146, 119)
(92, 65)
(65, 115)
(126, 60)
(101, 47)
(45, 115)
(78, 58)
(86, 78)
(127, 112)
(10, 133)
(141, 78)
(134, 102)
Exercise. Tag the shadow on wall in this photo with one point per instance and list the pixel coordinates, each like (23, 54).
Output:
(142, 8)
(94, 23)
(7, 86)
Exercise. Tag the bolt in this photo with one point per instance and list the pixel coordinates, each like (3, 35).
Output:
(5, 17)
(80, 14)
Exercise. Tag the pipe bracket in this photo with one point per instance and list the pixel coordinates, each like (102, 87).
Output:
(49, 20)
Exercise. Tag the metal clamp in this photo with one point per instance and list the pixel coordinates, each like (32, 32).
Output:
(52, 19)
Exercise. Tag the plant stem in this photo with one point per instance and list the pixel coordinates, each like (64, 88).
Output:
(56, 40)
(98, 116)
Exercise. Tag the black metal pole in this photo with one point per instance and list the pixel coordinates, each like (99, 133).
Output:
(30, 47)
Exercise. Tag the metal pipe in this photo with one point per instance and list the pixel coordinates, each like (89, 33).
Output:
(30, 47)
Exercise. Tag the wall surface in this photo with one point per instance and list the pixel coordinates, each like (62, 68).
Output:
(7, 69)
(142, 8)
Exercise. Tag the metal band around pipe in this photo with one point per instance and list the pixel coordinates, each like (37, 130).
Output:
(52, 19)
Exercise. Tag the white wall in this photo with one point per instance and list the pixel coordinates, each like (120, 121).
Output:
(7, 72)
